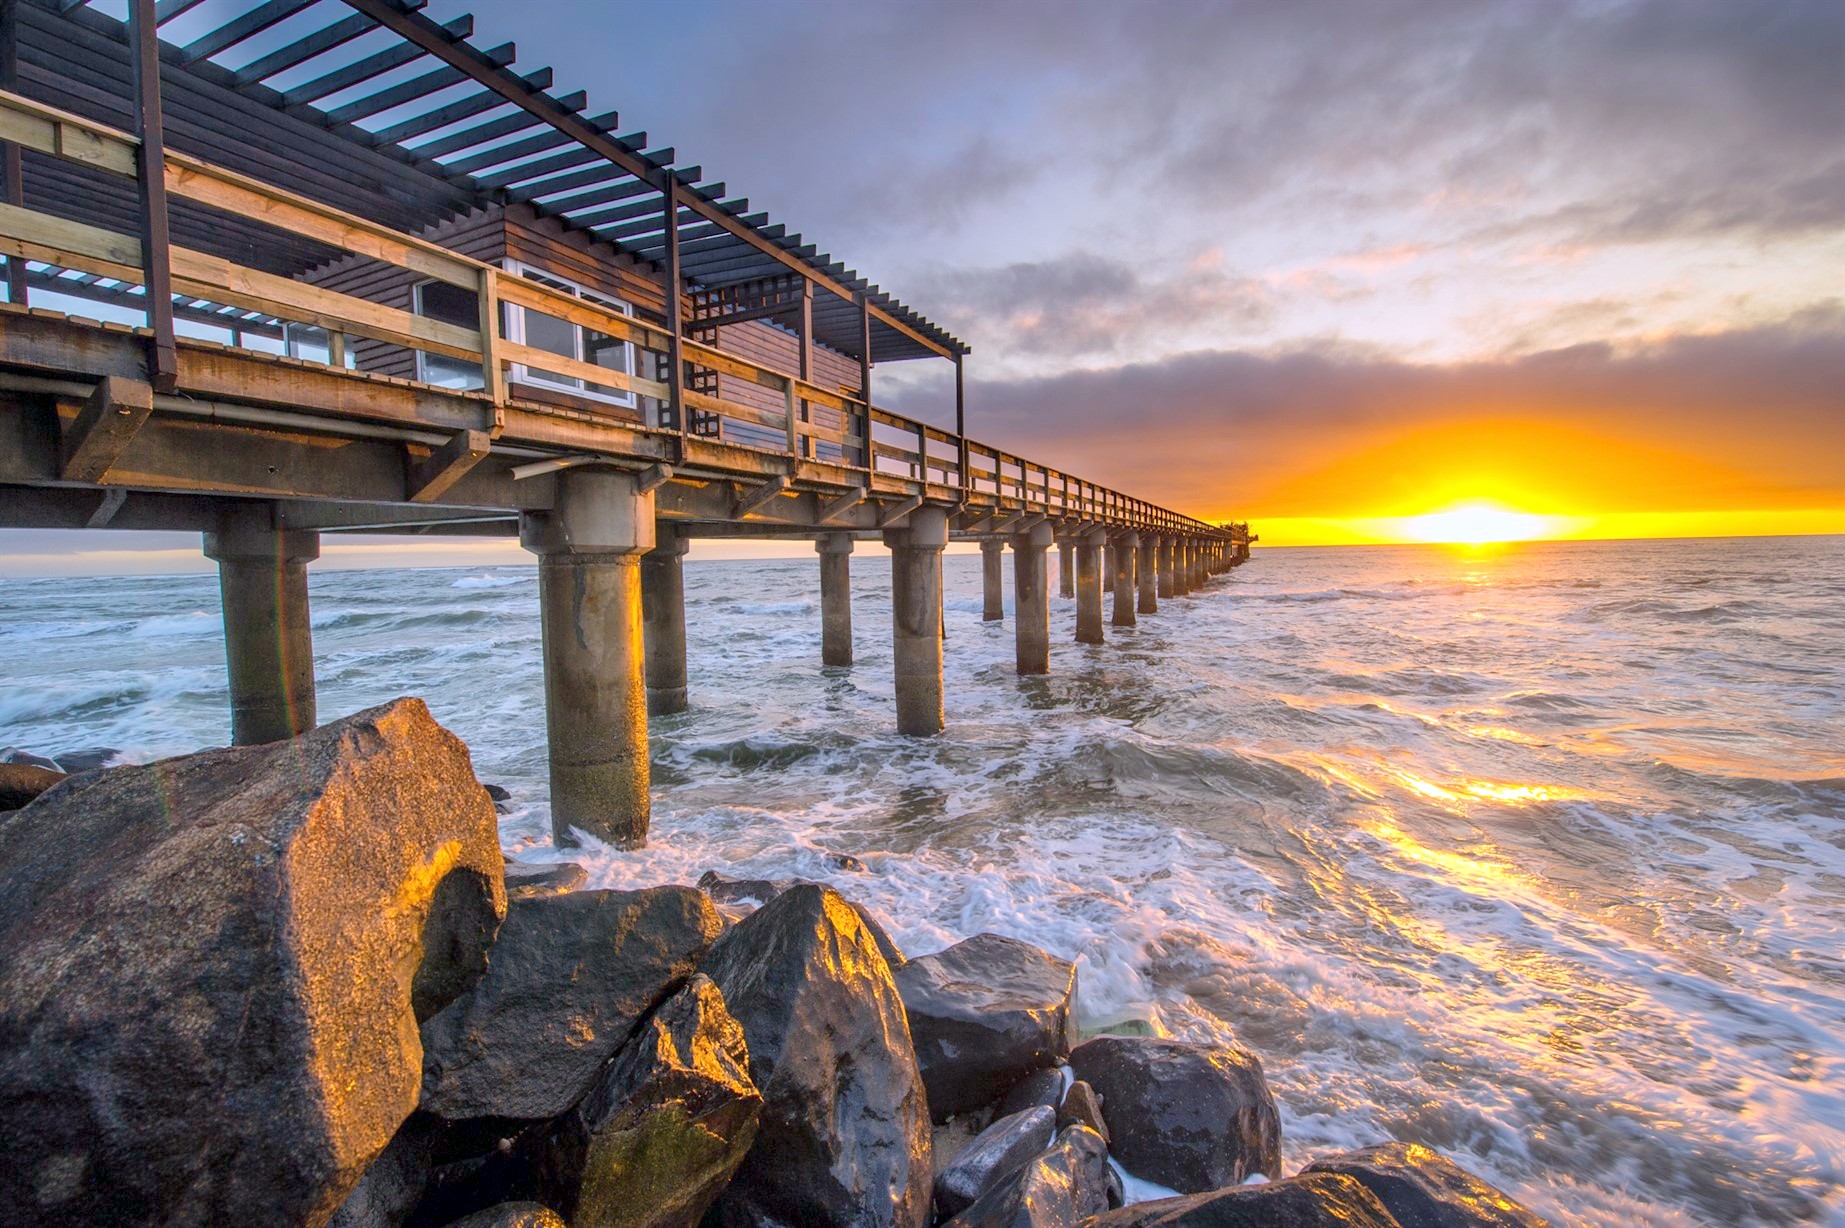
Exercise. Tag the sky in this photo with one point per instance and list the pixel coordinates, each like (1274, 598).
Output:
(1330, 266)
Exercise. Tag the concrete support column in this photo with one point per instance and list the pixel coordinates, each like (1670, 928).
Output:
(992, 580)
(835, 598)
(916, 619)
(589, 547)
(268, 642)
(1167, 546)
(1199, 572)
(663, 620)
(1146, 572)
(1031, 600)
(1127, 552)
(1066, 570)
(1089, 588)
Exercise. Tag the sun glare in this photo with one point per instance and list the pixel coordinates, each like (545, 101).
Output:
(1476, 524)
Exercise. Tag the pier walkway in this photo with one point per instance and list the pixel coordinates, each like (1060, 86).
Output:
(330, 268)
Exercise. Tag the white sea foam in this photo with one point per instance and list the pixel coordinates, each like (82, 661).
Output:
(1529, 857)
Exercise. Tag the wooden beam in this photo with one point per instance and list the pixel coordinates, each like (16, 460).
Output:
(101, 433)
(756, 499)
(834, 508)
(428, 479)
(106, 507)
(151, 173)
(894, 512)
(652, 478)
(675, 321)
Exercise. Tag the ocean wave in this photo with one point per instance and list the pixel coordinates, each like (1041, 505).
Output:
(493, 581)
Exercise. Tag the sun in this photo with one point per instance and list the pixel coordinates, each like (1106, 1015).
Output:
(1476, 524)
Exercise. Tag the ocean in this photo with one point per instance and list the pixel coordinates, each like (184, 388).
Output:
(1533, 854)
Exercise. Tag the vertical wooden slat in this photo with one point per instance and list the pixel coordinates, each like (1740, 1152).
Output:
(960, 427)
(492, 375)
(151, 170)
(9, 152)
(675, 350)
(864, 366)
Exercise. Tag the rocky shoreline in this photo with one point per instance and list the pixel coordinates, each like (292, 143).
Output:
(299, 984)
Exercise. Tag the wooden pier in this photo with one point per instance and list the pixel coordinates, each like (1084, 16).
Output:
(369, 278)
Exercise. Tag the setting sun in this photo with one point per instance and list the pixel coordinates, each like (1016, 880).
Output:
(1476, 524)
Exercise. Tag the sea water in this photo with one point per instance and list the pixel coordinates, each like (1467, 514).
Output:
(1535, 855)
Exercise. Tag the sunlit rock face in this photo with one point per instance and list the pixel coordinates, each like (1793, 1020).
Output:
(1425, 1190)
(571, 978)
(845, 1136)
(1323, 1200)
(212, 968)
(1189, 1117)
(1064, 1184)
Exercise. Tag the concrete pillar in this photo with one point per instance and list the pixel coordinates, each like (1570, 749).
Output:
(268, 642)
(1127, 551)
(1066, 570)
(916, 619)
(1031, 600)
(992, 580)
(1167, 545)
(1089, 588)
(835, 598)
(589, 547)
(663, 620)
(1199, 573)
(1146, 571)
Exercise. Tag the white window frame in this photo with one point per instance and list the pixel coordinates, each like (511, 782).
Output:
(515, 333)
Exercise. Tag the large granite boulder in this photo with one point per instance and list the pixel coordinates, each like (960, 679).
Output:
(570, 978)
(996, 1151)
(21, 782)
(212, 968)
(984, 1014)
(1188, 1117)
(394, 1184)
(742, 896)
(1323, 1200)
(1061, 1187)
(666, 1125)
(845, 1134)
(1043, 1086)
(1424, 1190)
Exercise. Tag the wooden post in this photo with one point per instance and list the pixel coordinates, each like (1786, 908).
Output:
(960, 426)
(675, 324)
(864, 370)
(151, 170)
(492, 378)
(805, 332)
(9, 152)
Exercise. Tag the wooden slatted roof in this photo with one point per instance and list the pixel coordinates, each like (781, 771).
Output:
(373, 106)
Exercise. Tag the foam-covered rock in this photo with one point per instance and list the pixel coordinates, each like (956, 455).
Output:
(984, 1014)
(570, 979)
(212, 968)
(1188, 1117)
(1422, 1189)
(845, 1137)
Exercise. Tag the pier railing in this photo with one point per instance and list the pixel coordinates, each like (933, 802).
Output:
(812, 421)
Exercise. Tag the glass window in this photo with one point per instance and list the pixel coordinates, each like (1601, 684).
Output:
(452, 305)
(561, 337)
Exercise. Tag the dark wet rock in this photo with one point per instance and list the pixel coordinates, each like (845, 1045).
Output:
(1081, 1106)
(1422, 1189)
(1319, 1201)
(740, 896)
(846, 861)
(1188, 1117)
(87, 759)
(845, 1137)
(666, 1126)
(394, 1184)
(1058, 1188)
(983, 1014)
(995, 1152)
(211, 970)
(513, 1215)
(570, 978)
(498, 793)
(21, 782)
(1043, 1086)
(13, 754)
(525, 879)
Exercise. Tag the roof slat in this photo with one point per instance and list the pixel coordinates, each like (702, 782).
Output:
(493, 129)
(252, 23)
(376, 65)
(304, 49)
(551, 138)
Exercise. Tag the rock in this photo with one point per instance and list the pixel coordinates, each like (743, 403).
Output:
(513, 1215)
(1188, 1117)
(1318, 1201)
(995, 1152)
(212, 967)
(525, 879)
(1424, 1190)
(21, 782)
(87, 759)
(743, 895)
(983, 1014)
(1044, 1086)
(13, 754)
(499, 793)
(845, 1135)
(1081, 1106)
(1058, 1188)
(668, 1123)
(570, 978)
(846, 861)
(392, 1186)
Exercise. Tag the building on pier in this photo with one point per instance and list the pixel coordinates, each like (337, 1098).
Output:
(314, 267)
